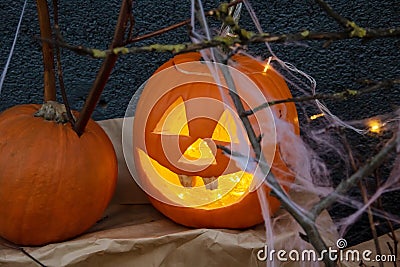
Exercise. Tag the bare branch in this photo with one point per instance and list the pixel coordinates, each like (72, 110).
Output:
(371, 220)
(303, 218)
(364, 171)
(158, 32)
(329, 10)
(105, 70)
(10, 245)
(71, 118)
(47, 51)
(250, 37)
(349, 93)
(177, 25)
(350, 26)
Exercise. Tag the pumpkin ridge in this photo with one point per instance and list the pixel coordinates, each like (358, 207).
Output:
(31, 127)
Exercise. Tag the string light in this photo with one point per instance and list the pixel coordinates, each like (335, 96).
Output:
(266, 67)
(316, 116)
(375, 126)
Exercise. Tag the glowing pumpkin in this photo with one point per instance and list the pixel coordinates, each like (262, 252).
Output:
(54, 185)
(180, 121)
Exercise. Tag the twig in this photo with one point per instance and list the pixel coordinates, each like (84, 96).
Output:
(392, 251)
(364, 196)
(158, 32)
(31, 257)
(47, 51)
(335, 96)
(175, 26)
(71, 118)
(229, 41)
(10, 245)
(243, 37)
(306, 35)
(105, 70)
(132, 22)
(351, 26)
(329, 10)
(230, 152)
(240, 109)
(371, 220)
(364, 171)
(172, 48)
(306, 221)
(392, 235)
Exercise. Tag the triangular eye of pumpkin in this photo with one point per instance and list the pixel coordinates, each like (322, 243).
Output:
(226, 125)
(199, 153)
(174, 120)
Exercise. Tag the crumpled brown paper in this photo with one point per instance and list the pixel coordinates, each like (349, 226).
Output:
(387, 254)
(133, 233)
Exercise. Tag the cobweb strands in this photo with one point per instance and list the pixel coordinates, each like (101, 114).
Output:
(292, 148)
(305, 155)
(306, 161)
(4, 73)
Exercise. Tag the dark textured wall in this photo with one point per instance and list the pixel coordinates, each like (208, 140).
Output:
(91, 23)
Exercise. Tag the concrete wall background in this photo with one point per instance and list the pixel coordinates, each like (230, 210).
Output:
(91, 23)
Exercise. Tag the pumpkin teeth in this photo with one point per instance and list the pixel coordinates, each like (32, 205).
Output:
(186, 181)
(211, 183)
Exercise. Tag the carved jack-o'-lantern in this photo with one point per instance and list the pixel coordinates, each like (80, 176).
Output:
(182, 120)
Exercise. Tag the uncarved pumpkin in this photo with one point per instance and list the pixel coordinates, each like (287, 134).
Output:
(191, 116)
(54, 185)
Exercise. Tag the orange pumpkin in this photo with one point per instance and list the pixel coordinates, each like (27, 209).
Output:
(54, 185)
(180, 120)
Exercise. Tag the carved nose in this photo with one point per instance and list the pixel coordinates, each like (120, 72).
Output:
(201, 153)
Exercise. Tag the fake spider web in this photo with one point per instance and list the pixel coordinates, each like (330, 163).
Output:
(306, 163)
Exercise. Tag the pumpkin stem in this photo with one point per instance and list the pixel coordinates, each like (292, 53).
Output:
(53, 111)
(47, 51)
(106, 68)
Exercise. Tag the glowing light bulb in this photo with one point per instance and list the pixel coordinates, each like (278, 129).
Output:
(375, 126)
(266, 67)
(316, 116)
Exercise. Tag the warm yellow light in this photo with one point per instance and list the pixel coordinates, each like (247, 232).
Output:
(226, 125)
(375, 126)
(316, 116)
(231, 187)
(266, 67)
(174, 120)
(199, 152)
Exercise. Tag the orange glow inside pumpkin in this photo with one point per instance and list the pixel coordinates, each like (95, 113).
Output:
(183, 119)
(199, 153)
(226, 124)
(179, 139)
(174, 122)
(231, 187)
